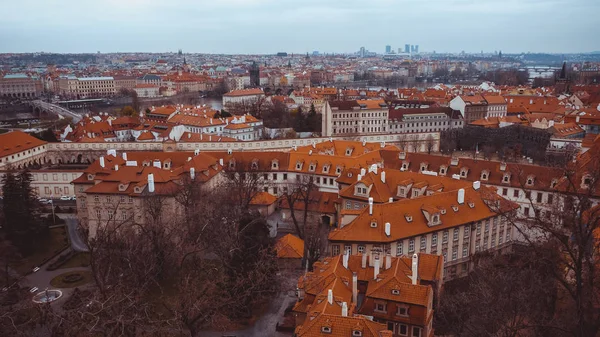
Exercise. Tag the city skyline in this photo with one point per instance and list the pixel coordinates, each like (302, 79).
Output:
(250, 27)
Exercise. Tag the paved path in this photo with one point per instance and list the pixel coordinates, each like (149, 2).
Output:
(72, 223)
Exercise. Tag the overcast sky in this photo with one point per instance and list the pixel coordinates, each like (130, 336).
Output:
(268, 26)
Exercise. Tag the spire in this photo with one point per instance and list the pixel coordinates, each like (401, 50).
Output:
(184, 62)
(563, 71)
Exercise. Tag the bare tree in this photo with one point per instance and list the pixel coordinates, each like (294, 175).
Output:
(243, 181)
(429, 144)
(415, 143)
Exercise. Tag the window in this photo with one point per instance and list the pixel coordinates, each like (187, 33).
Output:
(455, 234)
(403, 329)
(348, 248)
(445, 236)
(465, 251)
(130, 199)
(361, 249)
(335, 250)
(98, 214)
(416, 331)
(467, 232)
(358, 333)
(526, 211)
(274, 176)
(454, 253)
(326, 329)
(380, 307)
(96, 198)
(423, 242)
(402, 311)
(539, 197)
(550, 198)
(348, 204)
(411, 245)
(505, 191)
(285, 176)
(399, 248)
(434, 239)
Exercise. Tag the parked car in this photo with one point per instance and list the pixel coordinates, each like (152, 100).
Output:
(65, 198)
(73, 197)
(42, 200)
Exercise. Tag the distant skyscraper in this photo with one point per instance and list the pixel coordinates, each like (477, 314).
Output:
(407, 48)
(412, 48)
(362, 52)
(388, 49)
(416, 49)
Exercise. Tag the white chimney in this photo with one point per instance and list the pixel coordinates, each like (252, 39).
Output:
(116, 167)
(363, 171)
(314, 145)
(330, 296)
(221, 161)
(229, 151)
(391, 199)
(461, 196)
(156, 164)
(364, 260)
(101, 161)
(151, 183)
(388, 229)
(402, 155)
(192, 173)
(376, 271)
(189, 159)
(196, 152)
(476, 185)
(383, 177)
(354, 288)
(415, 268)
(111, 152)
(502, 166)
(124, 156)
(364, 142)
(374, 168)
(371, 205)
(310, 152)
(577, 119)
(345, 259)
(388, 261)
(344, 309)
(359, 177)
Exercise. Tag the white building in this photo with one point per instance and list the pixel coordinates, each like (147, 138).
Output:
(354, 117)
(246, 96)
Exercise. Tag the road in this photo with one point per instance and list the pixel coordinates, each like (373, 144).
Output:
(77, 243)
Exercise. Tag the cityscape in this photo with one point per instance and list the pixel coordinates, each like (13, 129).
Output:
(277, 177)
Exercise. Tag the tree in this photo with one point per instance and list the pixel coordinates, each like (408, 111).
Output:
(429, 143)
(9, 257)
(128, 111)
(415, 143)
(243, 181)
(21, 211)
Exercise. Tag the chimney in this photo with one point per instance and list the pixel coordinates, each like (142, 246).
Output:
(374, 168)
(461, 196)
(402, 155)
(344, 309)
(192, 173)
(330, 296)
(355, 288)
(124, 156)
(363, 171)
(151, 183)
(116, 167)
(189, 135)
(476, 185)
(531, 101)
(383, 177)
(101, 161)
(376, 271)
(314, 145)
(415, 268)
(577, 119)
(221, 161)
(364, 260)
(502, 166)
(359, 177)
(371, 205)
(388, 229)
(345, 259)
(391, 199)
(388, 261)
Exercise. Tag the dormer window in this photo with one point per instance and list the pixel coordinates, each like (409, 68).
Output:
(408, 217)
(299, 165)
(338, 170)
(255, 164)
(471, 204)
(405, 165)
(349, 151)
(326, 329)
(506, 178)
(90, 177)
(530, 180)
(435, 219)
(401, 191)
(274, 165)
(231, 164)
(553, 183)
(463, 172)
(325, 168)
(442, 211)
(312, 167)
(373, 223)
(356, 333)
(443, 170)
(395, 292)
(455, 208)
(586, 181)
(360, 190)
(424, 166)
(485, 174)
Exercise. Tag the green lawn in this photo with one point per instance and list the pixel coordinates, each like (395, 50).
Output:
(78, 260)
(60, 282)
(48, 247)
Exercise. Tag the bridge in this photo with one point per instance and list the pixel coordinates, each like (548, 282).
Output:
(63, 153)
(41, 106)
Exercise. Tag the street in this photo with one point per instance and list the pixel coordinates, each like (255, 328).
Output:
(77, 243)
